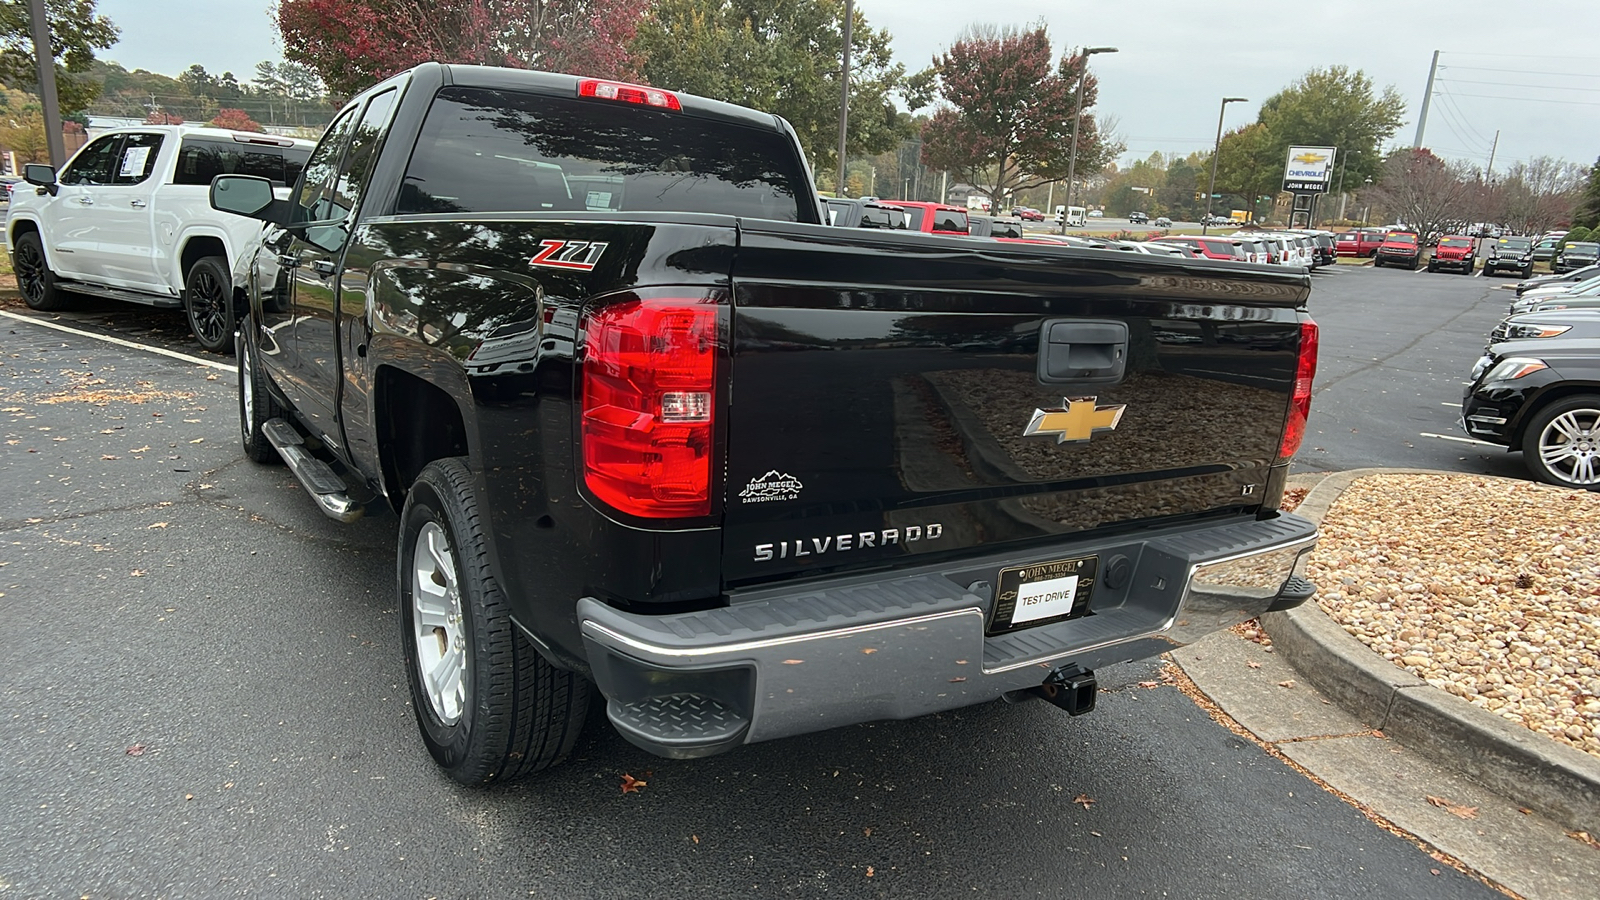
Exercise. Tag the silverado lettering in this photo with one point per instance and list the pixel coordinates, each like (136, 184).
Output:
(578, 334)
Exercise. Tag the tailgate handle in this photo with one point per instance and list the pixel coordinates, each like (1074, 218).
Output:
(1082, 351)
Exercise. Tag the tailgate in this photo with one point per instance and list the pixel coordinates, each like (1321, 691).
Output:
(898, 395)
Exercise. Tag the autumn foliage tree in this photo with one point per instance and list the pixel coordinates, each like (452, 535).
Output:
(1007, 105)
(352, 44)
(1425, 192)
(234, 120)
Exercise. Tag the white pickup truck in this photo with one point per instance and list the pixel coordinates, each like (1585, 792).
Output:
(129, 218)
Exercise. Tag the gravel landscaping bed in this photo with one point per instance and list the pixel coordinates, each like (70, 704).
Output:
(1487, 588)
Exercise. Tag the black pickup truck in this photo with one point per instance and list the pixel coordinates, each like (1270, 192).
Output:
(651, 427)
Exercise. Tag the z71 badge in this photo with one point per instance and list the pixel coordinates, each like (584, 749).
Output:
(579, 255)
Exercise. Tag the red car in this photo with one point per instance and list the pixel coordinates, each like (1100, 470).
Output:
(1027, 213)
(1455, 251)
(1358, 243)
(1399, 248)
(932, 218)
(1210, 247)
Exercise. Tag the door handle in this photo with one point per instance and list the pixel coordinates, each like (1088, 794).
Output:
(136, 204)
(289, 262)
(323, 267)
(1082, 351)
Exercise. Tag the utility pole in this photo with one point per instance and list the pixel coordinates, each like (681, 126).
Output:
(844, 90)
(1216, 150)
(46, 61)
(1427, 97)
(1077, 116)
(1488, 174)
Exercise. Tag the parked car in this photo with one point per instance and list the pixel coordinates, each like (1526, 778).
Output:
(127, 218)
(8, 186)
(932, 218)
(1572, 323)
(1545, 249)
(1209, 247)
(860, 213)
(1513, 253)
(1542, 281)
(1456, 252)
(1322, 247)
(994, 226)
(1576, 255)
(1361, 244)
(1162, 222)
(608, 519)
(1541, 396)
(1399, 248)
(1529, 300)
(1138, 218)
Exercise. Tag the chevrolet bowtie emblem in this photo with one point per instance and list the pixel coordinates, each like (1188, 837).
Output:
(1077, 421)
(1310, 159)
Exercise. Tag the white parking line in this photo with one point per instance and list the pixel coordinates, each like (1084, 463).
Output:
(119, 341)
(1462, 440)
(1449, 404)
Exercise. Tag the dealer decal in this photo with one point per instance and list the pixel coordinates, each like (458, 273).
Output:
(579, 255)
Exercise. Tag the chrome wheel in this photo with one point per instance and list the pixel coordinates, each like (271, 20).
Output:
(1569, 447)
(439, 639)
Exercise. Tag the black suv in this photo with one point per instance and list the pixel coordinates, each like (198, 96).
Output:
(1510, 253)
(1576, 255)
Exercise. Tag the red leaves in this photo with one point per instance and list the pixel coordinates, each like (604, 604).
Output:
(631, 785)
(1083, 800)
(135, 750)
(235, 120)
(352, 44)
(1454, 809)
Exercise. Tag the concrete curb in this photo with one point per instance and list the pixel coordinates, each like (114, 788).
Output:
(1557, 781)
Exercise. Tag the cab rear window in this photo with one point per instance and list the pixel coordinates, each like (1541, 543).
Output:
(202, 159)
(511, 151)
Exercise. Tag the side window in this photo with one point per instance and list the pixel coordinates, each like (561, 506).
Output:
(92, 165)
(137, 159)
(322, 166)
(357, 168)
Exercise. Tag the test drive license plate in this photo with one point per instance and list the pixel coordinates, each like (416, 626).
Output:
(1043, 592)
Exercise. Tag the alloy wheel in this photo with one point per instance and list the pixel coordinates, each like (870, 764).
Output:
(1570, 446)
(439, 637)
(208, 305)
(30, 271)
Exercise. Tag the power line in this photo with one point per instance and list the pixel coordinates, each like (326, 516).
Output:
(1452, 111)
(1533, 100)
(1526, 72)
(1525, 56)
(1506, 84)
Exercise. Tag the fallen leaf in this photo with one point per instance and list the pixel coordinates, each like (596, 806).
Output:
(1585, 837)
(869, 649)
(958, 679)
(135, 750)
(695, 838)
(197, 440)
(867, 832)
(1524, 810)
(1286, 684)
(869, 871)
(109, 456)
(1454, 809)
(1083, 800)
(1253, 664)
(136, 573)
(1149, 684)
(211, 377)
(793, 662)
(1434, 871)
(159, 525)
(188, 796)
(144, 449)
(631, 785)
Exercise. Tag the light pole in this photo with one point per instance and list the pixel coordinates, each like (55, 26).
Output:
(1072, 163)
(844, 92)
(1368, 207)
(1216, 150)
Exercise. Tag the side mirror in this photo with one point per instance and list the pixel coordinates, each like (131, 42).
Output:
(247, 195)
(42, 175)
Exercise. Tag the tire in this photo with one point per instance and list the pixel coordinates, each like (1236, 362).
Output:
(34, 279)
(1561, 444)
(502, 711)
(208, 303)
(1376, 262)
(1431, 268)
(256, 403)
(1528, 272)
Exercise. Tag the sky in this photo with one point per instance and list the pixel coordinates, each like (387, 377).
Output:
(1533, 78)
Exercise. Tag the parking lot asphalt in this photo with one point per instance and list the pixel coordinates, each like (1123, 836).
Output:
(206, 698)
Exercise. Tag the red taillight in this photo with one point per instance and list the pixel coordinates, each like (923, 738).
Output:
(649, 395)
(1294, 430)
(628, 93)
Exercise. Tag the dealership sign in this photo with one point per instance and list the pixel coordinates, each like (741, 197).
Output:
(1308, 170)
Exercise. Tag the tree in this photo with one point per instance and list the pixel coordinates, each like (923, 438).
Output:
(783, 57)
(1248, 165)
(22, 127)
(1005, 123)
(76, 31)
(352, 44)
(1335, 107)
(1423, 191)
(235, 120)
(1534, 196)
(1587, 211)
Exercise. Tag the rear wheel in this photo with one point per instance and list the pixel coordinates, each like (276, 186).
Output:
(34, 278)
(256, 403)
(1562, 444)
(208, 302)
(489, 706)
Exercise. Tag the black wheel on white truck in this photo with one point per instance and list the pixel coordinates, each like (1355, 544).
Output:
(34, 278)
(208, 303)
